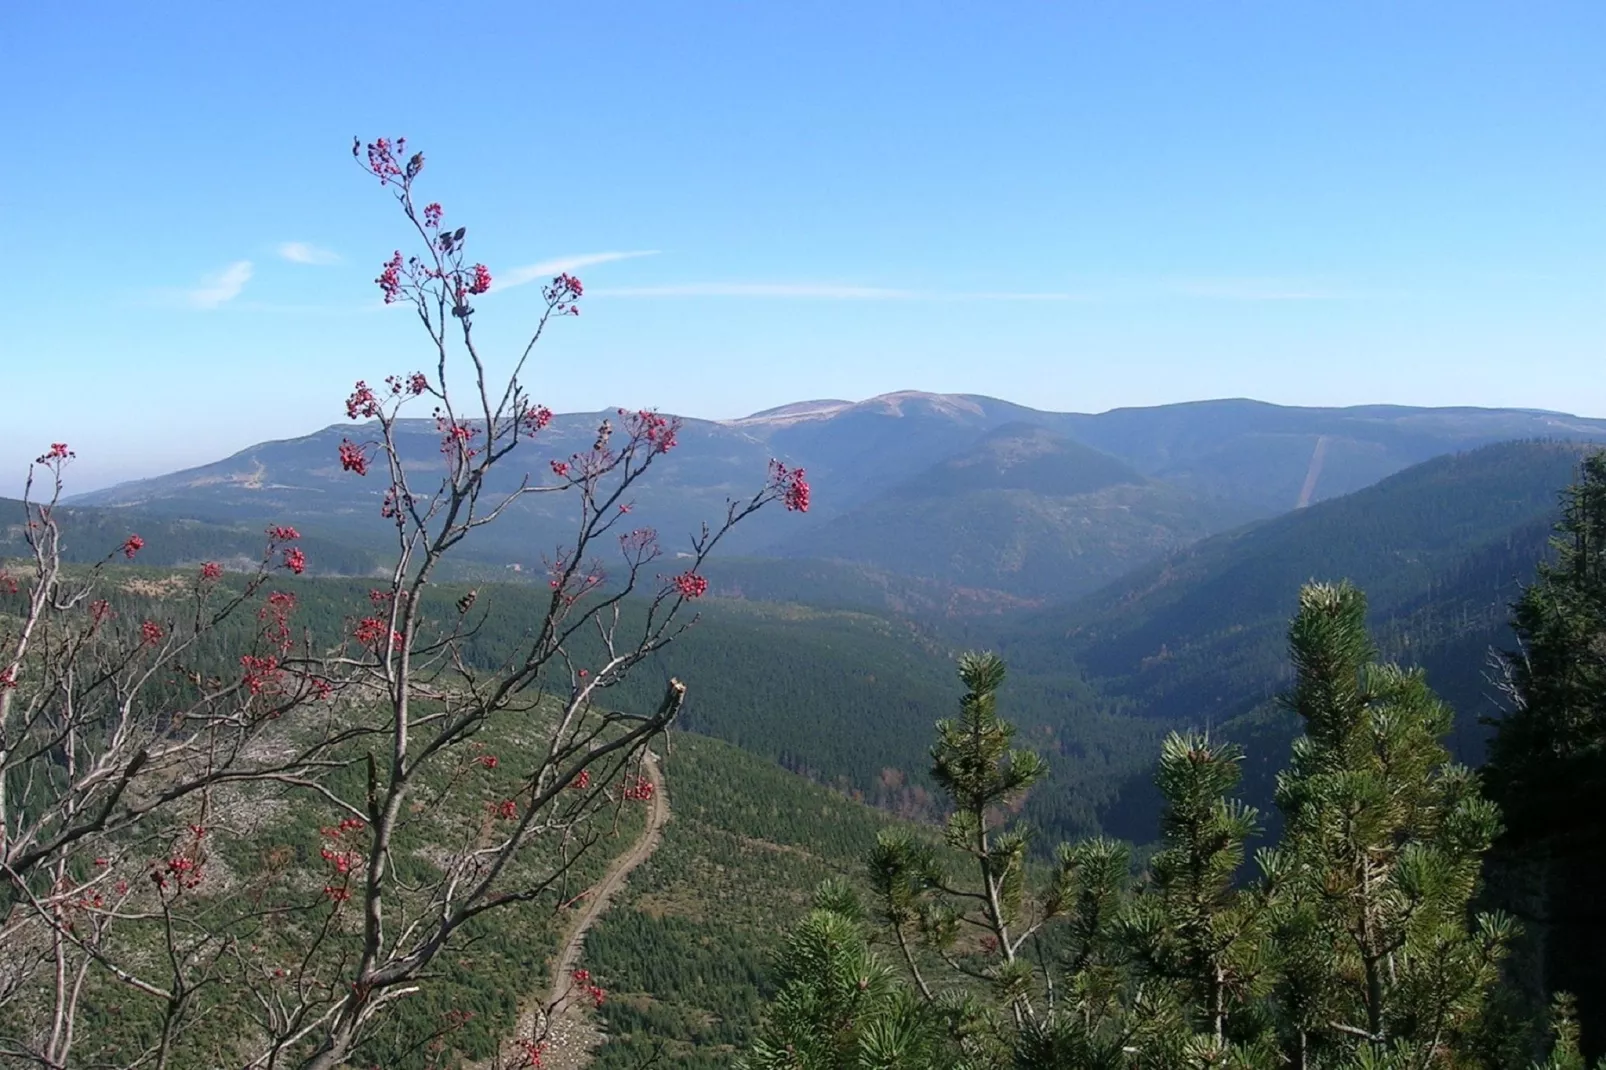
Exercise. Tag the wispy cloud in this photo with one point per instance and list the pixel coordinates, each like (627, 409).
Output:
(1252, 289)
(546, 269)
(822, 291)
(222, 287)
(300, 252)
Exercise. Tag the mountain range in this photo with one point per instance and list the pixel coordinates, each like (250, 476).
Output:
(1137, 568)
(960, 490)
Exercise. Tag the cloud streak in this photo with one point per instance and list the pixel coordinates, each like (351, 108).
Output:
(1235, 289)
(300, 252)
(222, 287)
(546, 269)
(820, 291)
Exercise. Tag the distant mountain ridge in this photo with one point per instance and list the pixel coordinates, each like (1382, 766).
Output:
(1218, 462)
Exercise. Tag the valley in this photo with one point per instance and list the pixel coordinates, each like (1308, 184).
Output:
(1133, 594)
(824, 536)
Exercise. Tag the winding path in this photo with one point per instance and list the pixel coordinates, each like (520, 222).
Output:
(571, 1032)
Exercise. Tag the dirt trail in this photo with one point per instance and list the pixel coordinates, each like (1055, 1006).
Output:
(571, 1033)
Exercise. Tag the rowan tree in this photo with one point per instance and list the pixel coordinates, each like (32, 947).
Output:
(153, 739)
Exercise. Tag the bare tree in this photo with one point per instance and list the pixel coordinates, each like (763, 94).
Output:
(148, 734)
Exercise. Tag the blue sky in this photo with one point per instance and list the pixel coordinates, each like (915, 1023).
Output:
(1072, 205)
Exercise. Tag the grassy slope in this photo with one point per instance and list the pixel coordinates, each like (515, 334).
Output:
(686, 953)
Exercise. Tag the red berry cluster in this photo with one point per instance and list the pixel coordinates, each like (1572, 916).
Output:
(432, 214)
(262, 674)
(639, 791)
(362, 404)
(281, 533)
(690, 585)
(583, 979)
(382, 162)
(456, 437)
(275, 615)
(581, 781)
(211, 571)
(536, 418)
(295, 560)
(181, 868)
(561, 294)
(150, 633)
(58, 451)
(390, 278)
(658, 432)
(792, 487)
(184, 866)
(93, 901)
(353, 458)
(132, 545)
(506, 810)
(342, 862)
(370, 632)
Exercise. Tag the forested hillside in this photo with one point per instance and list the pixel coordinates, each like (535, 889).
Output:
(1197, 640)
(834, 669)
(1197, 635)
(97, 533)
(1024, 511)
(688, 955)
(846, 695)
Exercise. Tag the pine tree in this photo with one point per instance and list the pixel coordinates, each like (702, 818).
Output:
(1565, 1051)
(840, 1007)
(1380, 859)
(1197, 931)
(1004, 990)
(1547, 761)
(1356, 949)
